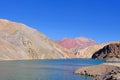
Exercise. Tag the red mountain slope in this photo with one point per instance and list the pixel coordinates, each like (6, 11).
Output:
(80, 42)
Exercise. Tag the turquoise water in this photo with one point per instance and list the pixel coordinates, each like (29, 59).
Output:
(61, 69)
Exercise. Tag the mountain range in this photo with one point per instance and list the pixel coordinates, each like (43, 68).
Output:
(20, 42)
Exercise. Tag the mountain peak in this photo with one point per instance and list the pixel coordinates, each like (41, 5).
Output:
(76, 42)
(6, 24)
(4, 20)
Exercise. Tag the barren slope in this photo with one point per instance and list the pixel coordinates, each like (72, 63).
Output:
(89, 51)
(17, 41)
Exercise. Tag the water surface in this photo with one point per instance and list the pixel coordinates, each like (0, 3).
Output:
(61, 69)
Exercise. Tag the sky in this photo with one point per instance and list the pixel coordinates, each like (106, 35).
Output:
(95, 19)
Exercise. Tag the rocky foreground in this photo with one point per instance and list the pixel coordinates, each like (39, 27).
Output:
(106, 71)
(101, 72)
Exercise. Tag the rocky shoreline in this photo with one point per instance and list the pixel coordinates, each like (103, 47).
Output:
(110, 70)
(104, 71)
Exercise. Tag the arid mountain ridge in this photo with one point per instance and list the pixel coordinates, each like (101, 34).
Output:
(89, 51)
(76, 44)
(80, 42)
(108, 52)
(85, 48)
(18, 41)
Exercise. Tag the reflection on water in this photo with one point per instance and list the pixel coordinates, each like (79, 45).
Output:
(44, 69)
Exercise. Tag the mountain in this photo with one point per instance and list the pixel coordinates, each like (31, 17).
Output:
(80, 42)
(18, 42)
(89, 51)
(77, 44)
(108, 52)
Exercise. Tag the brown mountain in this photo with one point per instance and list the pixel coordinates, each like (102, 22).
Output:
(108, 52)
(89, 51)
(18, 41)
(80, 42)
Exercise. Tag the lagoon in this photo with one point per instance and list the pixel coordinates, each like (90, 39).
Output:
(58, 69)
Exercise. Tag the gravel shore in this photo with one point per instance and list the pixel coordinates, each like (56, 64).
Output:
(105, 71)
